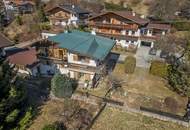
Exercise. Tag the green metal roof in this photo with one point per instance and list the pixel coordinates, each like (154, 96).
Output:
(84, 43)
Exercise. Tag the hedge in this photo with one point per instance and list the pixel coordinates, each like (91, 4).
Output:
(130, 64)
(159, 68)
(182, 26)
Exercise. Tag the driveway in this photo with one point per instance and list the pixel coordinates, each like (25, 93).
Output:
(143, 58)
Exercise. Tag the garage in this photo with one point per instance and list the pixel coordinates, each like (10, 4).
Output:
(146, 44)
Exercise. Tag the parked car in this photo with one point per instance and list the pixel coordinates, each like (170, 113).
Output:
(152, 51)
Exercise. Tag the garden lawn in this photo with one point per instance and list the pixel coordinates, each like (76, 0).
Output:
(144, 89)
(112, 119)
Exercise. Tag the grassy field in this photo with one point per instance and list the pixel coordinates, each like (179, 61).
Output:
(112, 119)
(53, 110)
(144, 89)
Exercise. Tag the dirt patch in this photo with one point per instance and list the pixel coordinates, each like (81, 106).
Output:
(53, 110)
(144, 89)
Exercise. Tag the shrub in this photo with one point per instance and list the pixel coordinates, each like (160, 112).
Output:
(24, 122)
(130, 64)
(62, 86)
(54, 126)
(171, 103)
(182, 26)
(12, 116)
(159, 68)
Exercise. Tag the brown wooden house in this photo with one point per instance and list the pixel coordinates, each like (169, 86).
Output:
(123, 26)
(67, 14)
(127, 28)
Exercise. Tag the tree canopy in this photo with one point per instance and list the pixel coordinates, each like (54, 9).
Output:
(62, 86)
(13, 100)
(179, 62)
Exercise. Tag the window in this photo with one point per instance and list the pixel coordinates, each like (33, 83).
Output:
(21, 67)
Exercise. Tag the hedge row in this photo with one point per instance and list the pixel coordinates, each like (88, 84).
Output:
(159, 68)
(130, 64)
(182, 26)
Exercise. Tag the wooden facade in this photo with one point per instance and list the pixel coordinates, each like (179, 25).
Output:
(58, 15)
(112, 24)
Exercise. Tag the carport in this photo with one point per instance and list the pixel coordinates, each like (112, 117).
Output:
(146, 44)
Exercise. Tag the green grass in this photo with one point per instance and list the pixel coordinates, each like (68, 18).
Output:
(112, 119)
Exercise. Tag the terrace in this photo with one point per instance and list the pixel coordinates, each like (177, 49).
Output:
(74, 67)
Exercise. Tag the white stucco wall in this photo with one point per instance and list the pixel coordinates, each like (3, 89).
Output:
(71, 60)
(46, 35)
(33, 71)
(149, 33)
(62, 70)
(125, 43)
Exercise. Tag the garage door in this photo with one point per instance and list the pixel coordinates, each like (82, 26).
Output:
(147, 44)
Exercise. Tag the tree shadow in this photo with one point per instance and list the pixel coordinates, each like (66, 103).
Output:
(38, 91)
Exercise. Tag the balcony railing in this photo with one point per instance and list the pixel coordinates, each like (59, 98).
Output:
(58, 18)
(118, 36)
(74, 67)
(110, 25)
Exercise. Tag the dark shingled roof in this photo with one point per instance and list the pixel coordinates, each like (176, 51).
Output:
(127, 15)
(27, 58)
(4, 41)
(75, 9)
(159, 26)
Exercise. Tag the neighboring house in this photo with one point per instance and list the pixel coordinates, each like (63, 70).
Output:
(20, 6)
(126, 27)
(4, 42)
(67, 15)
(80, 55)
(25, 62)
(123, 26)
(152, 32)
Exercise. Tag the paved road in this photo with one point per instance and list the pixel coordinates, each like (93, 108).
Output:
(143, 58)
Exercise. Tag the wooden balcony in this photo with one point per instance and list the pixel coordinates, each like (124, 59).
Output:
(57, 18)
(149, 38)
(118, 36)
(113, 26)
(74, 67)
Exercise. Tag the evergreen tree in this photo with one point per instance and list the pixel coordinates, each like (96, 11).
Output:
(41, 15)
(179, 73)
(19, 20)
(12, 98)
(62, 86)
